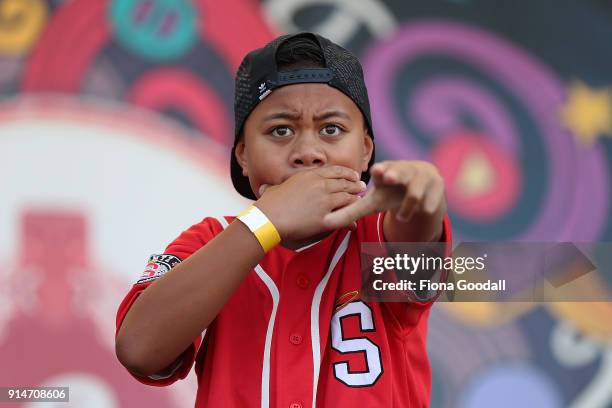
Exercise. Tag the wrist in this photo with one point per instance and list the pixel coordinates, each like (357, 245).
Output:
(262, 228)
(274, 213)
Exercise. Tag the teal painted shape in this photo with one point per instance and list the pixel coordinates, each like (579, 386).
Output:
(158, 30)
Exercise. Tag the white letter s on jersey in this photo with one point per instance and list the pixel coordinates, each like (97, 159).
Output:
(361, 344)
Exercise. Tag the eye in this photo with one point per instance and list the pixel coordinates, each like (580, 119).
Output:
(331, 130)
(281, 131)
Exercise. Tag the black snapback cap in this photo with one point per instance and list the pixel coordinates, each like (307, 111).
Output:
(258, 76)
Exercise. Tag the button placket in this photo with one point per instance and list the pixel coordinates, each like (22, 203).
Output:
(302, 281)
(295, 339)
(295, 325)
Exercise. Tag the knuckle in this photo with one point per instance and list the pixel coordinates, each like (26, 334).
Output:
(413, 195)
(327, 224)
(432, 170)
(429, 208)
(341, 199)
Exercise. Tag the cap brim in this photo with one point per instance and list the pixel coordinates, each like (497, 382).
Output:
(241, 183)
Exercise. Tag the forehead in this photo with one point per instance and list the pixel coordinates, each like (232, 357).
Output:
(307, 98)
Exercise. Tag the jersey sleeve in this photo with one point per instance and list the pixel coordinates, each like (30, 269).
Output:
(408, 313)
(442, 274)
(158, 265)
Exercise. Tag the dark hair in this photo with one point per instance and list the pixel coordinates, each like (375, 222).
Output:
(299, 52)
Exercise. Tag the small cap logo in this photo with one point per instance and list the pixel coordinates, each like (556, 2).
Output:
(263, 92)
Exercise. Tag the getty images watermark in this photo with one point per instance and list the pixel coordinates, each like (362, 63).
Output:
(492, 271)
(406, 264)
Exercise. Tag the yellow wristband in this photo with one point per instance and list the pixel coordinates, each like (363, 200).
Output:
(263, 229)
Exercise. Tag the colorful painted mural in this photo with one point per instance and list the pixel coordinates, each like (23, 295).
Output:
(115, 127)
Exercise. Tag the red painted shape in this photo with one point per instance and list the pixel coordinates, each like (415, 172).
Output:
(450, 156)
(235, 29)
(72, 38)
(178, 88)
(57, 337)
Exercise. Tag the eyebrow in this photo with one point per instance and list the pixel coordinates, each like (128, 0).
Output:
(283, 115)
(296, 115)
(331, 114)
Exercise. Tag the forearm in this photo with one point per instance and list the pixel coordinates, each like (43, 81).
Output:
(173, 311)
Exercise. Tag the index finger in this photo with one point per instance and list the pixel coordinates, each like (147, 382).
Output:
(345, 216)
(339, 172)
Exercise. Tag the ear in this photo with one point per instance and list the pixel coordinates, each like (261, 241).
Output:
(368, 149)
(241, 157)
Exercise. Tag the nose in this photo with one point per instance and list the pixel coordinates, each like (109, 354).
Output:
(307, 152)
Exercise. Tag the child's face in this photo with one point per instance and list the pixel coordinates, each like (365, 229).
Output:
(299, 127)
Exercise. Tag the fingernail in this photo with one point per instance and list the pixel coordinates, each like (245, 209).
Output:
(363, 185)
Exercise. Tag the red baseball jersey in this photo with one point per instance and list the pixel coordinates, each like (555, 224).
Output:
(296, 332)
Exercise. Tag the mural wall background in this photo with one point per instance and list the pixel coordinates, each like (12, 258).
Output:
(116, 124)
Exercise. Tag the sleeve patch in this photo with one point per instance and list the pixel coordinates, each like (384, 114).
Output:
(158, 265)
